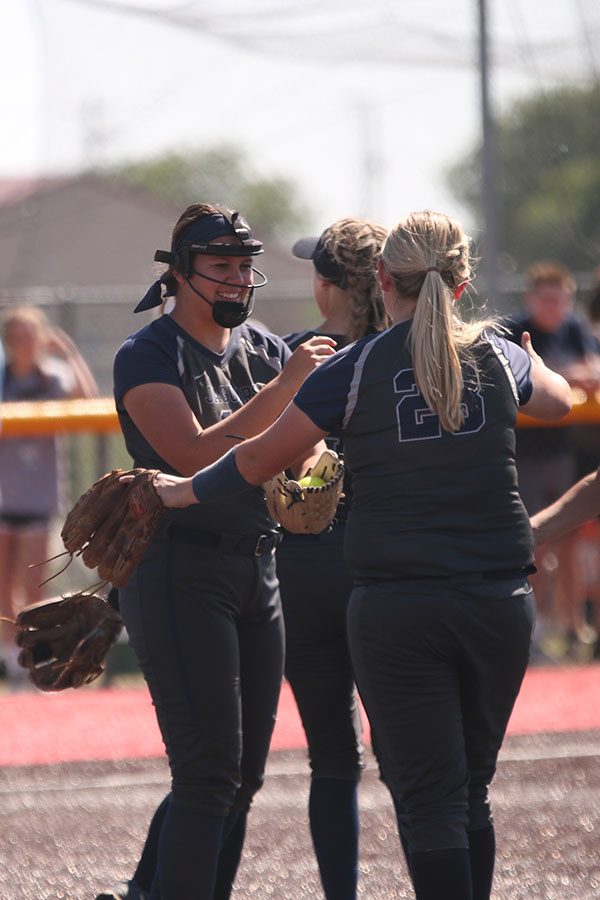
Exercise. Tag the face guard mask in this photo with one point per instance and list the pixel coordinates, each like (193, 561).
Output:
(196, 239)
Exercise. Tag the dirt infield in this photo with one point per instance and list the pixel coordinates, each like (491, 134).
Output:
(73, 826)
(70, 829)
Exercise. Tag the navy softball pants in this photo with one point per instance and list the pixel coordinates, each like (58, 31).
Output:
(439, 666)
(206, 625)
(315, 591)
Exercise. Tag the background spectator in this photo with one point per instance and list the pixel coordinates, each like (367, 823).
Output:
(594, 305)
(29, 466)
(546, 460)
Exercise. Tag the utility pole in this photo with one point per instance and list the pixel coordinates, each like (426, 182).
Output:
(94, 136)
(489, 197)
(371, 161)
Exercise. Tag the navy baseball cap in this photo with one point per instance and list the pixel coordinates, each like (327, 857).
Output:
(314, 248)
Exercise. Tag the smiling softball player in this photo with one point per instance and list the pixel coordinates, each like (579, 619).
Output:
(202, 610)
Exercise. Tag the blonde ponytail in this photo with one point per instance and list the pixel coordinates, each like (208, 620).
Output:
(427, 255)
(436, 362)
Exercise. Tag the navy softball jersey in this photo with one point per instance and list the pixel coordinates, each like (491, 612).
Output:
(215, 385)
(334, 439)
(409, 516)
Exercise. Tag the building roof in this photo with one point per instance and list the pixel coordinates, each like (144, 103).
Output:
(82, 247)
(89, 231)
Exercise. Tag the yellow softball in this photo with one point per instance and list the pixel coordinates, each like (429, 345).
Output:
(311, 481)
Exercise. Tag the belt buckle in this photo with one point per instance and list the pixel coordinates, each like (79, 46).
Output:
(262, 548)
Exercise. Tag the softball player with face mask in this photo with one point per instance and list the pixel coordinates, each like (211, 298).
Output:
(437, 540)
(202, 610)
(318, 664)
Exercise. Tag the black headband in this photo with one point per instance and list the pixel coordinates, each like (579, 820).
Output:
(196, 238)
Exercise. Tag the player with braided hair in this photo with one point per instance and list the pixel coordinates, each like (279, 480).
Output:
(318, 665)
(345, 257)
(438, 540)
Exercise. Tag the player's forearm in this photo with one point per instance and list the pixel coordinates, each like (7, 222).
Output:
(216, 482)
(292, 439)
(252, 463)
(300, 466)
(247, 422)
(578, 505)
(164, 417)
(261, 411)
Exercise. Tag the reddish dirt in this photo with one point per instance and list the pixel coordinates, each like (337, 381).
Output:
(119, 723)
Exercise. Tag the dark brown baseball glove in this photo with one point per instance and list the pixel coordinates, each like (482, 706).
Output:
(65, 640)
(112, 524)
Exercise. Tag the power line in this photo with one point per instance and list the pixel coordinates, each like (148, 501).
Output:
(378, 38)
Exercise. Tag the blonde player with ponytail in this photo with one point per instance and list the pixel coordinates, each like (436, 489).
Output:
(440, 341)
(438, 541)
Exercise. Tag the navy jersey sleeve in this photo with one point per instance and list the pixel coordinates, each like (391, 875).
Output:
(517, 364)
(142, 361)
(324, 395)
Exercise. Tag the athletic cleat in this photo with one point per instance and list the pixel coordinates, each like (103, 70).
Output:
(126, 890)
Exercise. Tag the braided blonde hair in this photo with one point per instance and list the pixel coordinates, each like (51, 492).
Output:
(355, 245)
(427, 255)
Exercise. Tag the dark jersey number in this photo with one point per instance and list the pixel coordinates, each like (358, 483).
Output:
(417, 422)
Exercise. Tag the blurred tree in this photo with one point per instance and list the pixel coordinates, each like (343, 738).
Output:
(221, 174)
(548, 178)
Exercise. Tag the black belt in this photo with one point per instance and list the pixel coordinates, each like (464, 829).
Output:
(462, 577)
(254, 545)
(499, 575)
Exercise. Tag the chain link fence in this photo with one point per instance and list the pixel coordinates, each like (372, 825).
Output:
(100, 319)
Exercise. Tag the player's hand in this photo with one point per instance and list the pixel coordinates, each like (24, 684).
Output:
(306, 358)
(528, 348)
(174, 492)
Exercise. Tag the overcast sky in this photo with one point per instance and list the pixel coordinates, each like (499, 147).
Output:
(310, 89)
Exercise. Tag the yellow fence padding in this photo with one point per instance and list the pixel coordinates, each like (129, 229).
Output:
(46, 417)
(585, 411)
